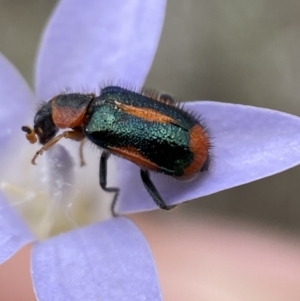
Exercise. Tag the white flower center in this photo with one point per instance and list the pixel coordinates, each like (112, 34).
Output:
(55, 195)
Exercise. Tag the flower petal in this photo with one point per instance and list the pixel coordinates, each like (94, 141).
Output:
(107, 261)
(59, 172)
(84, 45)
(249, 143)
(13, 232)
(15, 102)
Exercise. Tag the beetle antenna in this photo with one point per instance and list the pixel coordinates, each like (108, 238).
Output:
(30, 133)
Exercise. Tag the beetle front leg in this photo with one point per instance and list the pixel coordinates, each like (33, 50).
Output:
(73, 135)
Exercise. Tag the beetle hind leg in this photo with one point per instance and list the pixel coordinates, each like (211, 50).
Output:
(166, 98)
(153, 191)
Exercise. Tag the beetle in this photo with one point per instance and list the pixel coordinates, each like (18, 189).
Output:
(151, 130)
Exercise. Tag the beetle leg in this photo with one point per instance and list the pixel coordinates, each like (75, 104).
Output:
(82, 161)
(166, 98)
(103, 181)
(153, 191)
(74, 135)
